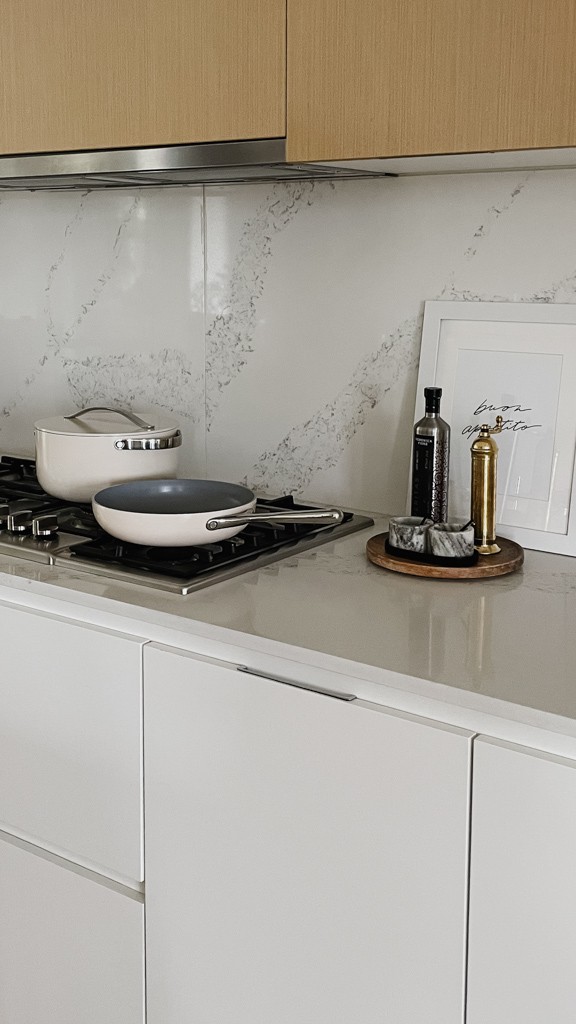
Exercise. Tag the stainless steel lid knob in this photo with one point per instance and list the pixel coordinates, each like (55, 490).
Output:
(45, 527)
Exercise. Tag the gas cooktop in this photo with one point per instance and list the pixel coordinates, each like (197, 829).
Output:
(38, 527)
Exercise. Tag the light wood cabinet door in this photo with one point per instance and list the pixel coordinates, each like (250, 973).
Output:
(79, 74)
(305, 857)
(522, 947)
(370, 78)
(71, 949)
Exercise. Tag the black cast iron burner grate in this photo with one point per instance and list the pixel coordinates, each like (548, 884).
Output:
(79, 541)
(183, 563)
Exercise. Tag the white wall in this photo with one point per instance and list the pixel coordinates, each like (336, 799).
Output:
(280, 323)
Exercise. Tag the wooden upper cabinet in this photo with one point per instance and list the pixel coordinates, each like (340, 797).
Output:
(370, 78)
(80, 74)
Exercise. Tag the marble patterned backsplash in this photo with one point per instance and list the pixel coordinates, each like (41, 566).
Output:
(280, 323)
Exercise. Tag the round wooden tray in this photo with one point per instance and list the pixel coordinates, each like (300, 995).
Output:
(508, 560)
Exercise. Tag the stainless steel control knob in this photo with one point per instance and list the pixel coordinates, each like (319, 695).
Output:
(20, 522)
(45, 527)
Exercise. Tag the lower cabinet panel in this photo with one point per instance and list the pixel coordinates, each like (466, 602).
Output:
(522, 949)
(71, 949)
(305, 857)
(70, 739)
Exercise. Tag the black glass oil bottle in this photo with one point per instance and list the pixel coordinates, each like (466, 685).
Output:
(430, 460)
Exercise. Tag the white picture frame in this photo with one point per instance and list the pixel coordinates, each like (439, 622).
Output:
(517, 360)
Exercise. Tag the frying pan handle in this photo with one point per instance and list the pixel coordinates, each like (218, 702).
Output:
(313, 516)
(121, 412)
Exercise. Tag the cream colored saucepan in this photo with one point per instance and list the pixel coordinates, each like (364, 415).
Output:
(80, 454)
(178, 513)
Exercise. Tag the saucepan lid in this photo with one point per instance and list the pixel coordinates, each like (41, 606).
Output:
(101, 421)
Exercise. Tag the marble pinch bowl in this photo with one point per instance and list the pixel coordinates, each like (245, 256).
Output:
(409, 533)
(454, 539)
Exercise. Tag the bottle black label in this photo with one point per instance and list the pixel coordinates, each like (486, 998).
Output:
(430, 477)
(422, 476)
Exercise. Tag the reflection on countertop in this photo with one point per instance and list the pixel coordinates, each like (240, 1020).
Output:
(511, 637)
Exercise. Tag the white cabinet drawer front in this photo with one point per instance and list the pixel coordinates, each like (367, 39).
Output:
(70, 740)
(522, 947)
(71, 949)
(305, 856)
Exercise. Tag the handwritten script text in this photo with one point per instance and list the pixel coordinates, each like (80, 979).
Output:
(512, 421)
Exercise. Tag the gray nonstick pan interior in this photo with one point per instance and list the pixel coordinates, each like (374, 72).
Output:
(174, 497)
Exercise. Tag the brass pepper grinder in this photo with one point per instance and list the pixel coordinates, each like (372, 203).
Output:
(483, 505)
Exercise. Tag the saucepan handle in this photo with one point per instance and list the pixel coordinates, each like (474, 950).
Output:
(148, 444)
(121, 412)
(320, 517)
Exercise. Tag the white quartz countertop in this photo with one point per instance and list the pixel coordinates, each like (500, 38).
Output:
(511, 638)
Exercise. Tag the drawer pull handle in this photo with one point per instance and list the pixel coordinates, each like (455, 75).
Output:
(300, 686)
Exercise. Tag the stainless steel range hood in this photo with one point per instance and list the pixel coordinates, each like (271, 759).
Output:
(215, 163)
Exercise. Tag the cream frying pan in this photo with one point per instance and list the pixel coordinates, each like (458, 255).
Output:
(179, 513)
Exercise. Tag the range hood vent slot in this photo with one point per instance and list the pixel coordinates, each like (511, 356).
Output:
(221, 163)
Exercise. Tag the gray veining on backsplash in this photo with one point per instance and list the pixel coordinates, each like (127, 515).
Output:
(563, 290)
(493, 214)
(59, 341)
(230, 333)
(318, 444)
(163, 379)
(112, 312)
(54, 341)
(280, 324)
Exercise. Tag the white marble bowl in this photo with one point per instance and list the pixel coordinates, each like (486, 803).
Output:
(409, 533)
(454, 539)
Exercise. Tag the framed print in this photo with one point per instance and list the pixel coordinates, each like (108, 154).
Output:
(518, 361)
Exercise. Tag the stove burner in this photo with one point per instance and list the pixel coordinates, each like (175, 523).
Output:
(21, 474)
(74, 538)
(79, 520)
(190, 562)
